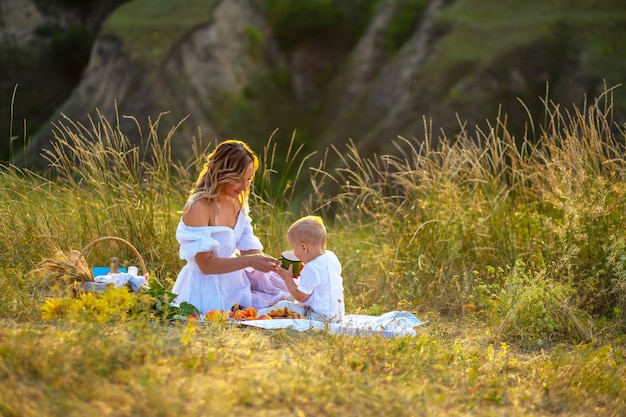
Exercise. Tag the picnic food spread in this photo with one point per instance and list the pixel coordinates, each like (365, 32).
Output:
(250, 313)
(285, 313)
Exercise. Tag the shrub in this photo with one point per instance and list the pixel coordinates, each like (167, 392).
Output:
(295, 21)
(71, 50)
(530, 308)
(403, 23)
(442, 208)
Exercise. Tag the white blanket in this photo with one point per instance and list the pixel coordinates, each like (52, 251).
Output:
(121, 279)
(391, 324)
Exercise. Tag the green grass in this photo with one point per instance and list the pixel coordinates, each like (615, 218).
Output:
(486, 29)
(513, 249)
(143, 368)
(150, 28)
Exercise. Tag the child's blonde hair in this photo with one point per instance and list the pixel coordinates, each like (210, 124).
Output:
(309, 229)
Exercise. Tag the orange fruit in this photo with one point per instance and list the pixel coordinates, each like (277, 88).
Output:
(251, 312)
(213, 315)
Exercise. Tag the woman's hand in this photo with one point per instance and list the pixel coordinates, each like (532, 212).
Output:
(262, 263)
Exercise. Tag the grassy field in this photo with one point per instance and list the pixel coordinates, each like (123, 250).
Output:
(150, 28)
(513, 250)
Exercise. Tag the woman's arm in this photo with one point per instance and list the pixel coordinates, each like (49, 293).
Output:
(251, 252)
(200, 214)
(210, 264)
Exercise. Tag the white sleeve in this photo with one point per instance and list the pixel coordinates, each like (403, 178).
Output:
(194, 240)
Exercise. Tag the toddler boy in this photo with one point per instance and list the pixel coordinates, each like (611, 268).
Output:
(320, 285)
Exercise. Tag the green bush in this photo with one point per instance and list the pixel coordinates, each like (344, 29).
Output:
(403, 23)
(71, 50)
(529, 308)
(294, 21)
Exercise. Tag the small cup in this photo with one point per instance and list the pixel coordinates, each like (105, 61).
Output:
(289, 258)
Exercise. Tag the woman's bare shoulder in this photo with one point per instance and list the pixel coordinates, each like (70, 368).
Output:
(201, 213)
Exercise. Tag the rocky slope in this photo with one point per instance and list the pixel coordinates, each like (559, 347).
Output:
(228, 76)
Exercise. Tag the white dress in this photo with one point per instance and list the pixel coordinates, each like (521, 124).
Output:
(222, 291)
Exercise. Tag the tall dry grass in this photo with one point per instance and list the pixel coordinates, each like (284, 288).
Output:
(483, 221)
(100, 184)
(490, 222)
(514, 248)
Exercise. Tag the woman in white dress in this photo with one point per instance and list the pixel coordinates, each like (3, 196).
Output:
(225, 263)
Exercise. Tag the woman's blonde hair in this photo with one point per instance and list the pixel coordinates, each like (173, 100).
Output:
(227, 163)
(309, 229)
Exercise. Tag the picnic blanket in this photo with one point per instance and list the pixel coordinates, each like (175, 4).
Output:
(391, 324)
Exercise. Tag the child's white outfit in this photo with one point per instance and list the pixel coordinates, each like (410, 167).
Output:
(321, 279)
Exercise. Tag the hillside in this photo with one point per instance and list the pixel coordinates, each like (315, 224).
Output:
(363, 71)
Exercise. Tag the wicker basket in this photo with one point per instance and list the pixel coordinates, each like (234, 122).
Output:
(92, 286)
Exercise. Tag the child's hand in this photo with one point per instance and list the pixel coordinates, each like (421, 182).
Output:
(285, 274)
